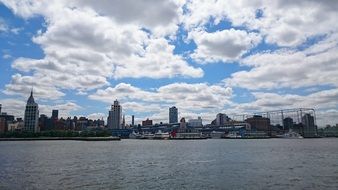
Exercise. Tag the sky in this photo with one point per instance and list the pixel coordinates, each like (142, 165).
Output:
(203, 57)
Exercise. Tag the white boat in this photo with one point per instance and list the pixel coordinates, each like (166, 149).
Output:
(233, 135)
(217, 134)
(290, 135)
(148, 136)
(161, 135)
(135, 135)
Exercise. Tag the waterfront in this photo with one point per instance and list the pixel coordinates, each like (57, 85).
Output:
(146, 164)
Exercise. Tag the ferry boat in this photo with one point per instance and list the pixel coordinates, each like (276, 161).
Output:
(161, 135)
(148, 136)
(217, 134)
(290, 135)
(135, 135)
(233, 135)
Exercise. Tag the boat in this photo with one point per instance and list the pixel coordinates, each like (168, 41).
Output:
(135, 135)
(233, 135)
(148, 136)
(187, 136)
(217, 134)
(290, 135)
(161, 135)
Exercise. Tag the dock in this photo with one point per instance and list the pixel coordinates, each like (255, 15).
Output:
(63, 139)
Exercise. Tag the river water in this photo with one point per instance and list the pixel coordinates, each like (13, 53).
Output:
(155, 164)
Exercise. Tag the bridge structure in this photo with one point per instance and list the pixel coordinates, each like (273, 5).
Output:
(277, 116)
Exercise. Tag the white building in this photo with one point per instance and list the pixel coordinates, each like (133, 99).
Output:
(31, 120)
(114, 120)
(195, 122)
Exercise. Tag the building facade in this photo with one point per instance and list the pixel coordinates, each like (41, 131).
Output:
(173, 115)
(2, 125)
(222, 119)
(195, 122)
(147, 122)
(259, 123)
(55, 114)
(287, 123)
(114, 120)
(31, 119)
(309, 127)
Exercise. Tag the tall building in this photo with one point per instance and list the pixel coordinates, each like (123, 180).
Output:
(132, 120)
(259, 123)
(287, 123)
(173, 115)
(183, 124)
(0, 108)
(55, 114)
(114, 120)
(31, 120)
(124, 122)
(309, 127)
(2, 124)
(222, 119)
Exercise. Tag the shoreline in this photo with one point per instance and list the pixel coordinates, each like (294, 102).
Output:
(63, 138)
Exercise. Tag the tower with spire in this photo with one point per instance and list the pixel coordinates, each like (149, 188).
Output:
(31, 119)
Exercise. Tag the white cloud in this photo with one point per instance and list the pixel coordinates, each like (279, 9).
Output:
(225, 45)
(96, 116)
(6, 56)
(85, 47)
(3, 25)
(16, 107)
(322, 101)
(285, 23)
(291, 69)
(42, 86)
(195, 99)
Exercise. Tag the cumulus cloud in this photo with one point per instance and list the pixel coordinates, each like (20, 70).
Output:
(189, 98)
(322, 101)
(85, 47)
(16, 107)
(289, 68)
(285, 23)
(42, 86)
(225, 45)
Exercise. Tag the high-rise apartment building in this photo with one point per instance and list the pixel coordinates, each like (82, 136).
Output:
(309, 127)
(173, 115)
(114, 120)
(55, 114)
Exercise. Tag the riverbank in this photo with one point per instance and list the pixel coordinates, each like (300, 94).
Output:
(63, 138)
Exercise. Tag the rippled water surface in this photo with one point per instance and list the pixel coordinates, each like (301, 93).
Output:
(146, 164)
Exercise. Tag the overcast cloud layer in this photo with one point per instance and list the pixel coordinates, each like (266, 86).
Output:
(152, 54)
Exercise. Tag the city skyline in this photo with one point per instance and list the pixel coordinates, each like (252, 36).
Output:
(193, 55)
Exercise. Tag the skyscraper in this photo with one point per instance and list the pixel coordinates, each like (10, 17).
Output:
(309, 127)
(222, 119)
(31, 120)
(115, 116)
(55, 114)
(123, 122)
(173, 115)
(132, 120)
